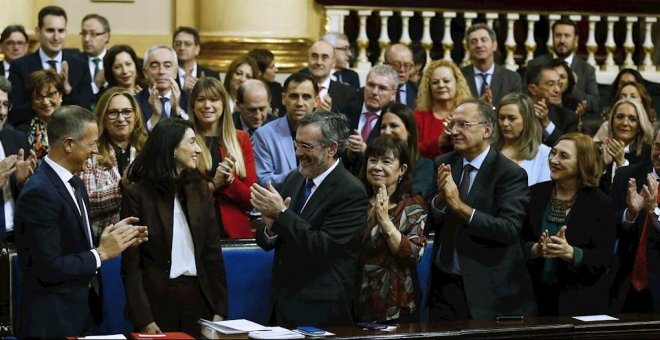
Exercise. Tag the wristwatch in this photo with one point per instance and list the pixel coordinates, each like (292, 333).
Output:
(279, 213)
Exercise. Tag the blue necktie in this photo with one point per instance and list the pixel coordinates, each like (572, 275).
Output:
(164, 100)
(303, 196)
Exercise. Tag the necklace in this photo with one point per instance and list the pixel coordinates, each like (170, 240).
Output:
(559, 208)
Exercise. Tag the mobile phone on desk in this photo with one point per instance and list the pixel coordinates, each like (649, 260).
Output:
(311, 331)
(371, 326)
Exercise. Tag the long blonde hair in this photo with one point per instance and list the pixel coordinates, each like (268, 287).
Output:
(425, 97)
(213, 88)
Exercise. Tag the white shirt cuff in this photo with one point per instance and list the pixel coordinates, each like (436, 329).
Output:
(97, 257)
(550, 128)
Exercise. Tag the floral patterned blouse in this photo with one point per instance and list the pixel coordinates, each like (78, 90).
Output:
(386, 281)
(37, 138)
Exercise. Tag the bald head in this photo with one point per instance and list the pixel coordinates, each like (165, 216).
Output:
(400, 57)
(253, 102)
(321, 60)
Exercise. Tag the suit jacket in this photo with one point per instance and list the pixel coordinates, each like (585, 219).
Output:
(146, 269)
(274, 154)
(565, 121)
(236, 116)
(632, 158)
(502, 82)
(340, 94)
(583, 288)
(54, 256)
(411, 95)
(353, 162)
(348, 77)
(586, 87)
(79, 78)
(629, 235)
(12, 140)
(316, 251)
(143, 100)
(492, 264)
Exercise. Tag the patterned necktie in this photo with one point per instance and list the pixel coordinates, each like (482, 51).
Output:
(640, 272)
(319, 100)
(449, 237)
(366, 129)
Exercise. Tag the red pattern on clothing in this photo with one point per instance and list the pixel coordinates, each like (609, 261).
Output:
(429, 129)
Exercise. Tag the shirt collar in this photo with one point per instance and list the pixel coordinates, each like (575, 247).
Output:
(182, 72)
(100, 56)
(45, 58)
(364, 109)
(490, 71)
(477, 161)
(64, 174)
(325, 84)
(568, 60)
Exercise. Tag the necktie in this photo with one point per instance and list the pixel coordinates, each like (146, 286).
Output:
(366, 129)
(484, 83)
(640, 272)
(398, 94)
(319, 100)
(303, 196)
(53, 65)
(449, 235)
(96, 61)
(164, 100)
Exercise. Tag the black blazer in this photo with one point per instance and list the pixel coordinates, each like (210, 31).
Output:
(143, 100)
(411, 95)
(629, 236)
(495, 277)
(316, 251)
(340, 94)
(502, 82)
(633, 158)
(591, 226)
(54, 257)
(79, 78)
(565, 121)
(348, 77)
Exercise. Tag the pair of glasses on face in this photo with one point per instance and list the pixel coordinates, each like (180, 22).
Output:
(304, 146)
(462, 125)
(114, 114)
(91, 34)
(51, 96)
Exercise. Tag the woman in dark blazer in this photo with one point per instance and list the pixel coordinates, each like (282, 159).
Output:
(569, 233)
(178, 276)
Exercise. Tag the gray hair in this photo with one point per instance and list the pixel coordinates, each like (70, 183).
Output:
(385, 71)
(68, 121)
(145, 63)
(5, 85)
(332, 38)
(485, 109)
(480, 26)
(334, 128)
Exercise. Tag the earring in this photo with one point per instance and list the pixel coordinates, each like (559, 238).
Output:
(400, 179)
(174, 155)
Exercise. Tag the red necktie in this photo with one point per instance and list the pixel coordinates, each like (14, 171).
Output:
(640, 272)
(366, 129)
(319, 100)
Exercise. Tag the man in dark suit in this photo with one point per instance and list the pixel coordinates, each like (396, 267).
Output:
(51, 32)
(342, 72)
(95, 35)
(333, 96)
(56, 251)
(564, 43)
(478, 269)
(544, 88)
(14, 43)
(163, 97)
(400, 58)
(252, 106)
(636, 287)
(487, 80)
(186, 43)
(14, 169)
(316, 230)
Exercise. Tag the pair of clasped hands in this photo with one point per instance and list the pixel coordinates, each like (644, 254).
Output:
(553, 246)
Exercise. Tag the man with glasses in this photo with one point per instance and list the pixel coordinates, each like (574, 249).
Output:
(400, 58)
(274, 153)
(545, 89)
(315, 224)
(186, 43)
(95, 35)
(51, 33)
(333, 96)
(14, 43)
(253, 105)
(478, 200)
(163, 97)
(342, 72)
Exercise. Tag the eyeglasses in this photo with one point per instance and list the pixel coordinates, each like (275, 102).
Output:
(91, 34)
(462, 125)
(400, 65)
(5, 105)
(51, 96)
(12, 43)
(306, 146)
(114, 114)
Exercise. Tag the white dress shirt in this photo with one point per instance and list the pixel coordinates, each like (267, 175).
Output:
(183, 249)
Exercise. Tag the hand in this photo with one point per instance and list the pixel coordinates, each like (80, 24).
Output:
(65, 77)
(356, 144)
(649, 193)
(581, 108)
(446, 181)
(325, 103)
(381, 206)
(487, 96)
(267, 200)
(634, 200)
(116, 238)
(605, 153)
(156, 105)
(124, 178)
(539, 247)
(440, 198)
(151, 328)
(541, 111)
(174, 97)
(615, 148)
(558, 247)
(7, 168)
(189, 81)
(224, 173)
(25, 167)
(217, 317)
(99, 79)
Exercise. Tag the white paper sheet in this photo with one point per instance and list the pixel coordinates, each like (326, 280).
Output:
(592, 318)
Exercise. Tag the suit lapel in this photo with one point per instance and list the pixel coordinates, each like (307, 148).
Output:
(483, 176)
(469, 76)
(497, 80)
(64, 193)
(324, 190)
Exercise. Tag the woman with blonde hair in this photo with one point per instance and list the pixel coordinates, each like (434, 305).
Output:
(226, 156)
(121, 136)
(442, 88)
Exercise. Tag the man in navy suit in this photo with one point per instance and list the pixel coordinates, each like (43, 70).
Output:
(400, 58)
(51, 32)
(333, 96)
(95, 35)
(186, 43)
(163, 98)
(274, 154)
(14, 43)
(342, 72)
(56, 250)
